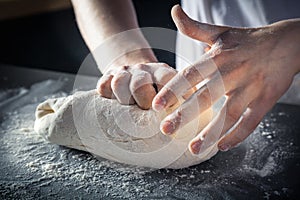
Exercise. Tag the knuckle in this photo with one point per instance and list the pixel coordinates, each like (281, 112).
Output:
(178, 113)
(177, 118)
(116, 83)
(191, 74)
(102, 82)
(171, 71)
(114, 87)
(141, 75)
(122, 74)
(140, 66)
(168, 93)
(135, 85)
(105, 78)
(165, 65)
(188, 72)
(164, 79)
(134, 88)
(165, 72)
(204, 98)
(119, 78)
(139, 79)
(101, 88)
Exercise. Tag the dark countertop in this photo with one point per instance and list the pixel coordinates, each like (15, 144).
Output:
(266, 165)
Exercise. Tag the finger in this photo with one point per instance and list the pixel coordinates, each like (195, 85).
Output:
(120, 87)
(142, 90)
(162, 75)
(186, 112)
(182, 82)
(250, 120)
(200, 31)
(189, 93)
(194, 106)
(229, 115)
(104, 86)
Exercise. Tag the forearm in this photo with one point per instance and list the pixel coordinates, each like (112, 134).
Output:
(295, 39)
(288, 43)
(100, 20)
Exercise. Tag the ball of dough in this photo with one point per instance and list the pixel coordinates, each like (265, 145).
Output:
(122, 133)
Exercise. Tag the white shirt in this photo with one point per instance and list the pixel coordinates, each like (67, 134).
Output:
(240, 13)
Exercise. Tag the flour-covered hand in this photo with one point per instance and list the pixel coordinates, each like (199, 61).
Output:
(137, 83)
(256, 66)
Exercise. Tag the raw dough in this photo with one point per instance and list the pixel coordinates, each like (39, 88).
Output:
(121, 133)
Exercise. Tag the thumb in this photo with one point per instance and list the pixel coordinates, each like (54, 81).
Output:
(200, 31)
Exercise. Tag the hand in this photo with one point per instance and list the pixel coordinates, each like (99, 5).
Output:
(137, 83)
(255, 65)
(114, 38)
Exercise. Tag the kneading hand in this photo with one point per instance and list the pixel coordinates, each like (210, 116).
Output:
(137, 83)
(255, 65)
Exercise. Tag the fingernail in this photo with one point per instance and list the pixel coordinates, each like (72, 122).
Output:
(160, 104)
(224, 147)
(195, 146)
(167, 127)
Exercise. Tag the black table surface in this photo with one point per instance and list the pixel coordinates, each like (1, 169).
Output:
(265, 166)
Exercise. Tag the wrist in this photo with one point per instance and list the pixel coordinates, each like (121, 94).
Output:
(140, 56)
(125, 48)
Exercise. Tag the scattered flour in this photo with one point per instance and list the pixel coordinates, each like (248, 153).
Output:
(31, 168)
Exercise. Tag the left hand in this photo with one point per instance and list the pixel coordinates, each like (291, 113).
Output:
(256, 65)
(136, 83)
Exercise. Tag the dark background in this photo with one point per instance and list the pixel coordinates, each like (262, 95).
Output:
(52, 40)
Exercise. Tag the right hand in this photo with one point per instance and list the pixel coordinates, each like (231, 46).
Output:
(137, 83)
(255, 65)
